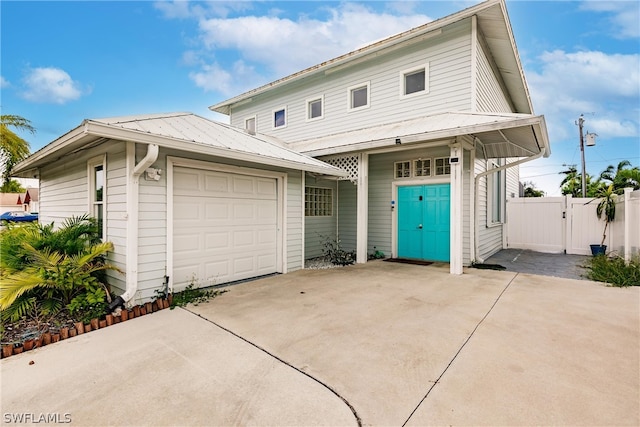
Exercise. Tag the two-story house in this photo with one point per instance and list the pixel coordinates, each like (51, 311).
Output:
(409, 146)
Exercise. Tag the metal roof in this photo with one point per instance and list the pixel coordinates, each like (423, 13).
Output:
(181, 131)
(501, 135)
(493, 23)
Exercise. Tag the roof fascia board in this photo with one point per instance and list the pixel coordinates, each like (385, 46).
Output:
(108, 131)
(534, 121)
(224, 107)
(67, 139)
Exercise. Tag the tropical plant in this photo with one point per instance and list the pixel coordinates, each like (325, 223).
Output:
(620, 177)
(333, 251)
(12, 186)
(530, 190)
(606, 207)
(13, 149)
(614, 270)
(43, 270)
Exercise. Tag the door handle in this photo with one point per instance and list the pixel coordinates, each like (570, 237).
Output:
(420, 226)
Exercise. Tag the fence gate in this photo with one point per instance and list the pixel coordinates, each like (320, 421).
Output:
(570, 225)
(536, 223)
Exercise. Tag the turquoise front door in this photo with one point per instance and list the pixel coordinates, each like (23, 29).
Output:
(423, 222)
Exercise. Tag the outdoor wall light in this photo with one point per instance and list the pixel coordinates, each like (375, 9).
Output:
(398, 141)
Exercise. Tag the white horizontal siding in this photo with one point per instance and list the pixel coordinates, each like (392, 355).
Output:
(115, 212)
(490, 96)
(381, 179)
(489, 237)
(449, 59)
(294, 211)
(347, 215)
(317, 228)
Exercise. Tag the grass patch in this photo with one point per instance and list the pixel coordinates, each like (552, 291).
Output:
(193, 295)
(614, 270)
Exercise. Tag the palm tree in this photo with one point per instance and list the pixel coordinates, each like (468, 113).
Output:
(631, 177)
(13, 149)
(616, 176)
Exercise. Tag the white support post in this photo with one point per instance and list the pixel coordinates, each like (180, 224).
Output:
(362, 208)
(627, 224)
(456, 217)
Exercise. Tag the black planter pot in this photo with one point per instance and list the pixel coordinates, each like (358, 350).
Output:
(598, 249)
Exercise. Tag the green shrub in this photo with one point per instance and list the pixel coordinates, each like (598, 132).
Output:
(42, 270)
(614, 270)
(332, 250)
(193, 295)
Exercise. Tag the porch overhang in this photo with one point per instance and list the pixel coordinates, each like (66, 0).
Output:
(502, 135)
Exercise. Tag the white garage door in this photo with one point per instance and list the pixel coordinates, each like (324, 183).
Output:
(224, 227)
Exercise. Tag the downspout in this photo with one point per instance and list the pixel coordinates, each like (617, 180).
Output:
(132, 219)
(476, 252)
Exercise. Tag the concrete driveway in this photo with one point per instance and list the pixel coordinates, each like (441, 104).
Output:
(376, 344)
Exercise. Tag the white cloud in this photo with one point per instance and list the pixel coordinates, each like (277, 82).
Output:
(624, 20)
(4, 83)
(50, 85)
(284, 46)
(570, 84)
(182, 9)
(214, 78)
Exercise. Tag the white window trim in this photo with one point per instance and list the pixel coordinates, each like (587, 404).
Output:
(402, 85)
(255, 122)
(414, 168)
(91, 164)
(273, 118)
(308, 110)
(490, 181)
(395, 169)
(434, 166)
(358, 86)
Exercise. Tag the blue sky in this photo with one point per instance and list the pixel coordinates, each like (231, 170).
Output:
(64, 61)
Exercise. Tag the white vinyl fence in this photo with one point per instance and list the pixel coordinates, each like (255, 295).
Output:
(570, 225)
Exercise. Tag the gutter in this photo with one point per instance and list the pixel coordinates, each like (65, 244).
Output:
(475, 254)
(133, 173)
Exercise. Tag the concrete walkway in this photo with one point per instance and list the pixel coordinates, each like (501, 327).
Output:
(530, 262)
(401, 344)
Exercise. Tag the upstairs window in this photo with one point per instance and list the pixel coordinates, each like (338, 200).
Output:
(315, 108)
(443, 167)
(250, 125)
(414, 81)
(359, 96)
(280, 118)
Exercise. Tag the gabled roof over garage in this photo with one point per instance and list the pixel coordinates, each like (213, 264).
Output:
(501, 135)
(181, 131)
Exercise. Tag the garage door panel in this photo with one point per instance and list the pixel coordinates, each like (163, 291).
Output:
(226, 229)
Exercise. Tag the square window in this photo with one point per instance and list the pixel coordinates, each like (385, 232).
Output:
(280, 118)
(414, 81)
(250, 125)
(359, 96)
(314, 108)
(403, 169)
(422, 167)
(318, 201)
(443, 167)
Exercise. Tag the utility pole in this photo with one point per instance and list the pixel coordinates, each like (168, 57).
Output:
(580, 122)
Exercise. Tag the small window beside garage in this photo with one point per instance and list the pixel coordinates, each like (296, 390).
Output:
(443, 167)
(402, 169)
(96, 172)
(318, 201)
(422, 167)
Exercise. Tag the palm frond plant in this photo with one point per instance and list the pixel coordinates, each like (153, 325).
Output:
(43, 269)
(607, 208)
